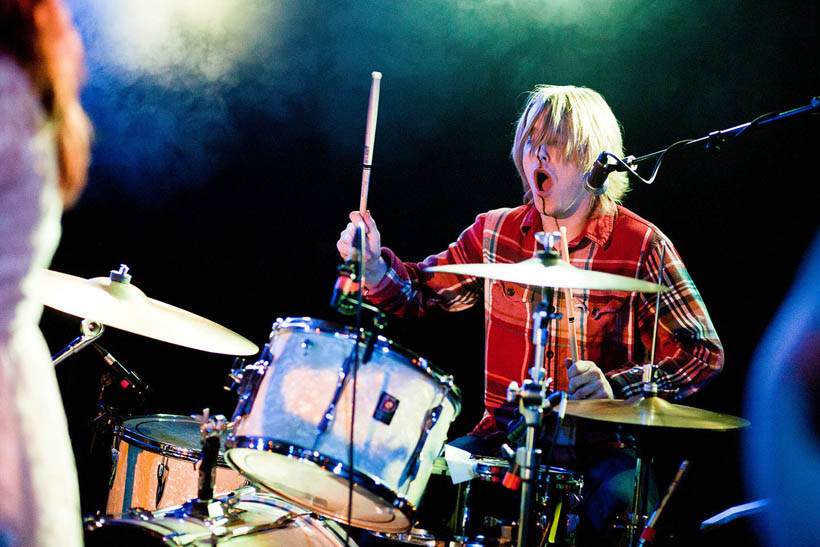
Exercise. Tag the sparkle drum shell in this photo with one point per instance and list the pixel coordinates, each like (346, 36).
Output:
(403, 409)
(251, 521)
(155, 464)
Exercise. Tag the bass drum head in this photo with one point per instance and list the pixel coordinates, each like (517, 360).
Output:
(254, 513)
(299, 480)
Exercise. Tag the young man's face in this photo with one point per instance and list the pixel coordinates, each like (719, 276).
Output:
(556, 183)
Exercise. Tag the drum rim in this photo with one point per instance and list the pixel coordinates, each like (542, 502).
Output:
(138, 517)
(307, 324)
(143, 442)
(283, 448)
(483, 462)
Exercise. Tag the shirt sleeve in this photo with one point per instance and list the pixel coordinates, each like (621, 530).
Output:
(688, 351)
(408, 291)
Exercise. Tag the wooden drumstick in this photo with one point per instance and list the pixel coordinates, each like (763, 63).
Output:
(369, 138)
(573, 340)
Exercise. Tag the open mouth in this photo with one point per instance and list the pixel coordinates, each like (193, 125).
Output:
(540, 179)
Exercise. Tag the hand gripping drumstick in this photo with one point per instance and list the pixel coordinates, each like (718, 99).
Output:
(369, 138)
(573, 341)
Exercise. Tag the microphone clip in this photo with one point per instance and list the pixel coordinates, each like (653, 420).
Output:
(347, 286)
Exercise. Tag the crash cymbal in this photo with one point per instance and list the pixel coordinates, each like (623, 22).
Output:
(550, 272)
(123, 306)
(652, 412)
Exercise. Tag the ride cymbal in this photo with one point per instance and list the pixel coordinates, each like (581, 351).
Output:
(652, 412)
(121, 305)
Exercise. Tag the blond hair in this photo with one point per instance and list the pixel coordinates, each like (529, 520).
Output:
(578, 120)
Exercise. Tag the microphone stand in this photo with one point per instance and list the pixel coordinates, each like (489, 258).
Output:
(712, 141)
(348, 299)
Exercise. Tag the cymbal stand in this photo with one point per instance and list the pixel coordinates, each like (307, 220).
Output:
(649, 388)
(204, 506)
(532, 395)
(91, 330)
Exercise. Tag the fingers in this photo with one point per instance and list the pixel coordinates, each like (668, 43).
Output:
(592, 390)
(356, 217)
(579, 367)
(587, 381)
(372, 237)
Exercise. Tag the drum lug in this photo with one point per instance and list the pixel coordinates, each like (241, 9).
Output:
(235, 375)
(162, 477)
(247, 381)
(115, 458)
(413, 463)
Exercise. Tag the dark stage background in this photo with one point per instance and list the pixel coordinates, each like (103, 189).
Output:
(228, 154)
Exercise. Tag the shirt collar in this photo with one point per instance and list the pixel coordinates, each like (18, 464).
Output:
(598, 228)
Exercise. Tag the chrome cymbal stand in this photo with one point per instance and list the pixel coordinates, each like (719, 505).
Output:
(91, 330)
(638, 517)
(532, 396)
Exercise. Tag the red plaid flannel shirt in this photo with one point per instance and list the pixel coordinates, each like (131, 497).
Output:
(614, 329)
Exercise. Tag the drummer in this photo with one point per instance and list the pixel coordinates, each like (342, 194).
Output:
(559, 134)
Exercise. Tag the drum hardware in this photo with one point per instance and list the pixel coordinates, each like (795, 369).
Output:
(131, 379)
(411, 469)
(162, 477)
(532, 395)
(204, 507)
(115, 302)
(648, 533)
(90, 331)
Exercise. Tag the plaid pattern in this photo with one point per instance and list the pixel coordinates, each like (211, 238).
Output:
(614, 329)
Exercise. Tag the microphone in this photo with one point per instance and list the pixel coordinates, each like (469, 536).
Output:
(348, 281)
(131, 379)
(596, 180)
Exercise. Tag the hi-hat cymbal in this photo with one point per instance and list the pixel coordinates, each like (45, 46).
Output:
(550, 272)
(652, 412)
(124, 306)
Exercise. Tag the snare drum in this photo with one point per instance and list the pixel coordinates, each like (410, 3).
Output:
(250, 520)
(155, 464)
(403, 411)
(482, 512)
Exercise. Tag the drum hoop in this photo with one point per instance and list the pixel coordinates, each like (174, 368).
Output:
(134, 518)
(309, 324)
(484, 463)
(131, 521)
(296, 452)
(143, 442)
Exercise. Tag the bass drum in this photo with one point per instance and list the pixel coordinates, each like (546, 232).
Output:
(292, 425)
(155, 457)
(250, 519)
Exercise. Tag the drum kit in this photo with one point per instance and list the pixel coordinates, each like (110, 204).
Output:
(334, 425)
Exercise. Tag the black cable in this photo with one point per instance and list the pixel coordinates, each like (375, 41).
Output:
(559, 420)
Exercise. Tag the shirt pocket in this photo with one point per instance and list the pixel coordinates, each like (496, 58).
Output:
(606, 314)
(511, 304)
